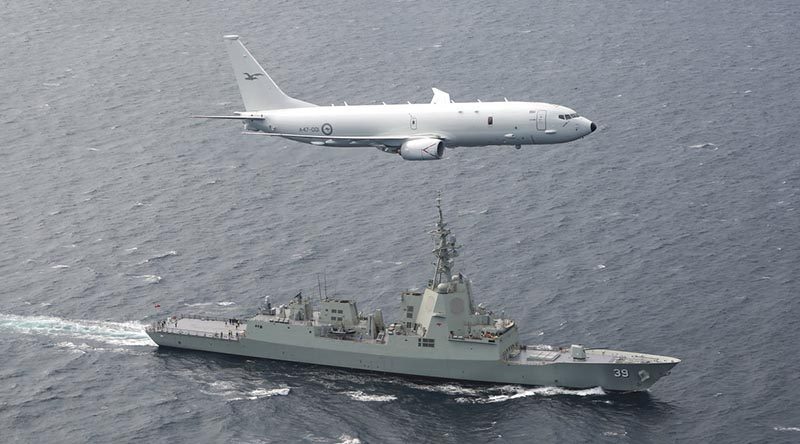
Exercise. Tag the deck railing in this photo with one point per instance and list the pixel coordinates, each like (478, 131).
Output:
(162, 326)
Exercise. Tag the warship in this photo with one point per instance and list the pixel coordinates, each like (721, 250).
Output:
(441, 333)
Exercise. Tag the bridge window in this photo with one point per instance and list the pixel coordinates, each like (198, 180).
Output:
(426, 342)
(491, 120)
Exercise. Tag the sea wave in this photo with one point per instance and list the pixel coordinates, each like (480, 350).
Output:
(358, 395)
(160, 256)
(786, 429)
(237, 390)
(347, 439)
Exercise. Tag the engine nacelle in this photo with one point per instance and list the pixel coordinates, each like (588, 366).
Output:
(422, 149)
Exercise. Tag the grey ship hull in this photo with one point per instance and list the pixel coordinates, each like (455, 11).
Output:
(441, 333)
(601, 368)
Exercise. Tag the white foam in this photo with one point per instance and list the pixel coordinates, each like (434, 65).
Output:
(515, 392)
(378, 261)
(358, 395)
(160, 256)
(347, 439)
(84, 348)
(59, 266)
(264, 393)
(704, 145)
(200, 304)
(225, 385)
(226, 303)
(449, 389)
(150, 278)
(610, 433)
(131, 250)
(114, 333)
(71, 347)
(786, 429)
(235, 395)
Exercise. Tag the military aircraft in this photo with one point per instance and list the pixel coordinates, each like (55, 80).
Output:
(415, 131)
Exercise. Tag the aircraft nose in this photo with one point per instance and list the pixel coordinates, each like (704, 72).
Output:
(593, 127)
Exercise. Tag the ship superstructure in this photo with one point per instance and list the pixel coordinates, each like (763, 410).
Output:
(440, 332)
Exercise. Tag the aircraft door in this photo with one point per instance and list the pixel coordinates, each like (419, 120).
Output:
(413, 122)
(541, 120)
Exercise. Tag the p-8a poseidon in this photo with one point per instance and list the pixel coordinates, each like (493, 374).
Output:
(414, 131)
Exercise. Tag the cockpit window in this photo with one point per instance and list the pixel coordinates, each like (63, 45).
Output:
(561, 116)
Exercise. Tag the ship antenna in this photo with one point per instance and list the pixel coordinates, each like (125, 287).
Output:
(445, 249)
(325, 280)
(319, 287)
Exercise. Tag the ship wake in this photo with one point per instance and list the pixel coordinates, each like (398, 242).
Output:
(68, 331)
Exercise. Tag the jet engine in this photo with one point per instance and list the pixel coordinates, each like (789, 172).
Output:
(422, 149)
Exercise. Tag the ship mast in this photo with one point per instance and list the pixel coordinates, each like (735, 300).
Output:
(445, 249)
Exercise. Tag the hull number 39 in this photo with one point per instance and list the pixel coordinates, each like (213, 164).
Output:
(621, 373)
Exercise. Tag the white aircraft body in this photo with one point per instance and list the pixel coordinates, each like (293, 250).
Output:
(414, 131)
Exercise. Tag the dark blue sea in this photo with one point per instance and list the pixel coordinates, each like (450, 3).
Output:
(671, 230)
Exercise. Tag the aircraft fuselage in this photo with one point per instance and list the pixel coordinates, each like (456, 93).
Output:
(457, 124)
(414, 131)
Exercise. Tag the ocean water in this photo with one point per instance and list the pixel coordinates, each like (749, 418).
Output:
(671, 230)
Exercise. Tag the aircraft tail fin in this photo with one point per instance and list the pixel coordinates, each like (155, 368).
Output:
(259, 91)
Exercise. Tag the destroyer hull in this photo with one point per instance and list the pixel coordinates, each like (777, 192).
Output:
(614, 376)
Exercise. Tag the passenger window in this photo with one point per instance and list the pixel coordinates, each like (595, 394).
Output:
(491, 120)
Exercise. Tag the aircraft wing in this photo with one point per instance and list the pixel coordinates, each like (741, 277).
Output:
(440, 97)
(229, 117)
(377, 141)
